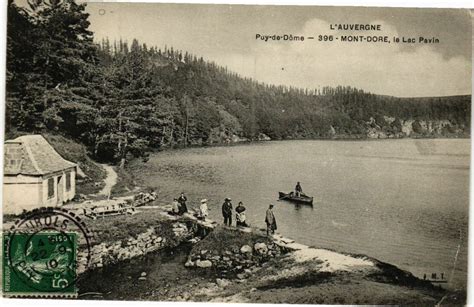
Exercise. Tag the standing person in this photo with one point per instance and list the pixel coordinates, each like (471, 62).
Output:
(270, 220)
(203, 209)
(298, 189)
(240, 215)
(227, 211)
(182, 204)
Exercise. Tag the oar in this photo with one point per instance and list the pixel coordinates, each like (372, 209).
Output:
(284, 197)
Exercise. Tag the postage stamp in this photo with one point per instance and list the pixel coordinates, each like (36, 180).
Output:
(40, 254)
(41, 262)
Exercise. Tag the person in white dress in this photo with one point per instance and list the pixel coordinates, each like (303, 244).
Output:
(203, 209)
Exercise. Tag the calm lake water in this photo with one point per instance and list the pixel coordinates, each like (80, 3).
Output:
(405, 202)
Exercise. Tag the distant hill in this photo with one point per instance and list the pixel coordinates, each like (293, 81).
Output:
(226, 105)
(123, 100)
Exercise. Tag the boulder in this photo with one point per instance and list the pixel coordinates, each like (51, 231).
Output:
(143, 274)
(241, 276)
(203, 263)
(189, 263)
(261, 248)
(246, 249)
(222, 283)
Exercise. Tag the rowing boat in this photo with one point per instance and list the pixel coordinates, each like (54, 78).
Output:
(302, 199)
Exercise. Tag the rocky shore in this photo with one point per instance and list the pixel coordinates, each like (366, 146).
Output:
(203, 261)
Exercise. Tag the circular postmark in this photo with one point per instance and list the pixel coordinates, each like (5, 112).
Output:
(43, 251)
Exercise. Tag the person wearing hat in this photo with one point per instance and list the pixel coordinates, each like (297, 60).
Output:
(182, 204)
(270, 221)
(227, 211)
(203, 209)
(240, 215)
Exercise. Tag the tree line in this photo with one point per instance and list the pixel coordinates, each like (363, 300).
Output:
(122, 100)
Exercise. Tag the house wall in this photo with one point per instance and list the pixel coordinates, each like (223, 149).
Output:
(67, 195)
(30, 192)
(21, 193)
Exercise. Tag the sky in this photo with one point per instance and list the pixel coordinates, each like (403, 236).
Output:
(226, 34)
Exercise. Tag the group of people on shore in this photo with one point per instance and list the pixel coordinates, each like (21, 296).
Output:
(179, 207)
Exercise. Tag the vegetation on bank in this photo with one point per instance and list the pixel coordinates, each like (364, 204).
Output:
(121, 100)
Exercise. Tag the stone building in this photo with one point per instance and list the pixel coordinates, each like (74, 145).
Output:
(35, 175)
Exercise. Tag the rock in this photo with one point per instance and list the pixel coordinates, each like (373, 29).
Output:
(246, 249)
(261, 248)
(203, 252)
(189, 263)
(222, 282)
(143, 274)
(241, 276)
(203, 264)
(142, 278)
(194, 240)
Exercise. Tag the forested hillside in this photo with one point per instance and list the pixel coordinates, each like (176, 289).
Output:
(122, 99)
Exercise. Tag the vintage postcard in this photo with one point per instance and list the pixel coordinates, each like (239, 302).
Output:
(236, 153)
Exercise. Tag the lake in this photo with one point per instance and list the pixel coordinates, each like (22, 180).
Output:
(405, 202)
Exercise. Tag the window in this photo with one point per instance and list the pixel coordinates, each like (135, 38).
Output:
(68, 181)
(50, 187)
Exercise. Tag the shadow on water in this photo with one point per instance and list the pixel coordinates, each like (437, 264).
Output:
(164, 270)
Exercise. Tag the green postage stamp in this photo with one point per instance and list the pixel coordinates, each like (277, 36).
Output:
(40, 264)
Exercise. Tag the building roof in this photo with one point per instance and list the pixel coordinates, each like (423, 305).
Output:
(32, 155)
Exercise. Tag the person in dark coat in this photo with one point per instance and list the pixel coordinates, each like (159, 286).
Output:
(240, 218)
(227, 211)
(270, 221)
(298, 189)
(182, 204)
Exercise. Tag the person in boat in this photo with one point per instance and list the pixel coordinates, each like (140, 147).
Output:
(227, 211)
(298, 189)
(203, 210)
(270, 221)
(240, 215)
(182, 204)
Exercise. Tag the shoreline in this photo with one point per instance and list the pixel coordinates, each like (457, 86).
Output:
(413, 265)
(295, 266)
(258, 142)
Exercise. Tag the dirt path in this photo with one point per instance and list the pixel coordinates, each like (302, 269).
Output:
(110, 180)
